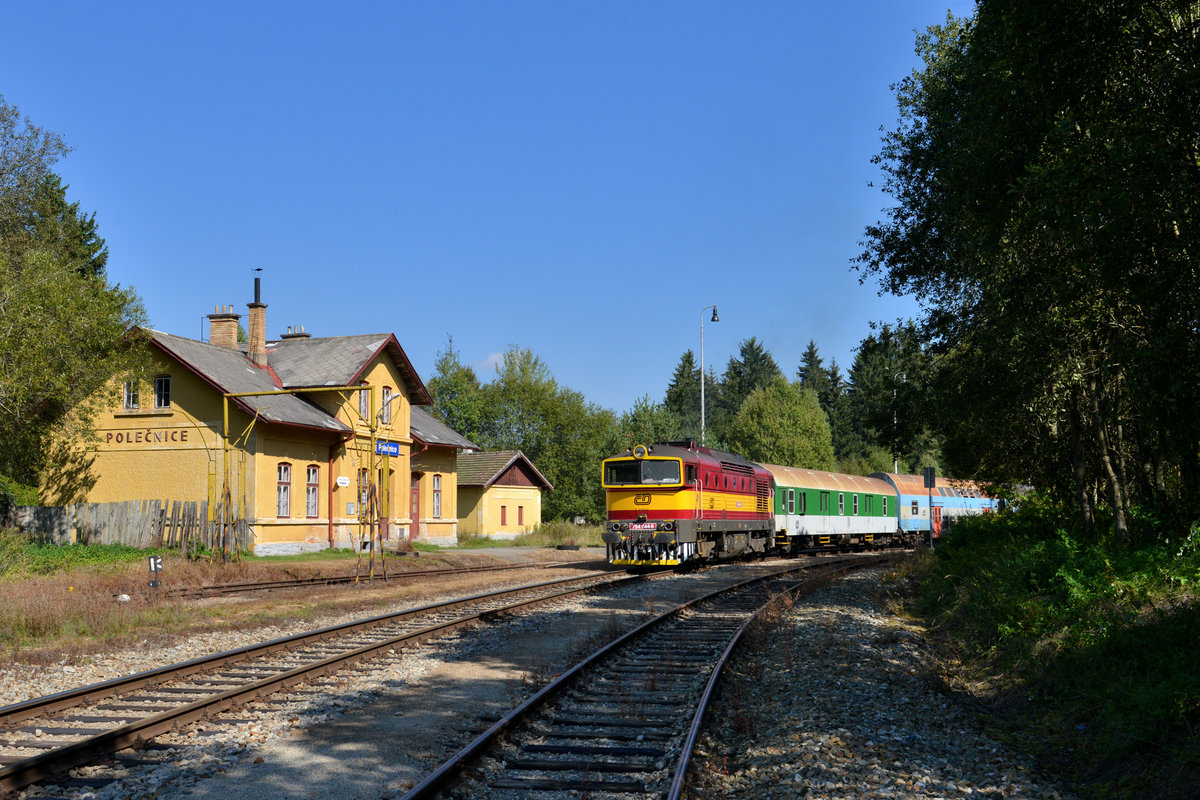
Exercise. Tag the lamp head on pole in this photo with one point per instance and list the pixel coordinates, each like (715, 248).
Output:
(714, 317)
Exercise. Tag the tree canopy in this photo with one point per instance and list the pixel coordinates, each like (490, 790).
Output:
(64, 330)
(1046, 172)
(524, 408)
(782, 423)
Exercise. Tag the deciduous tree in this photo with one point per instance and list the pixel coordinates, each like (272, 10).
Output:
(1046, 170)
(64, 330)
(781, 423)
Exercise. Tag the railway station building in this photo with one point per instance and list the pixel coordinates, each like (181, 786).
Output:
(307, 439)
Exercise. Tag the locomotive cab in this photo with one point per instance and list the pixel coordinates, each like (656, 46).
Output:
(648, 497)
(674, 502)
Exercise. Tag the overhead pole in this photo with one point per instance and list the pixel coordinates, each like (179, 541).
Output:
(714, 319)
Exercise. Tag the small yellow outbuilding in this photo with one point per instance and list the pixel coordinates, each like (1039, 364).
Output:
(499, 494)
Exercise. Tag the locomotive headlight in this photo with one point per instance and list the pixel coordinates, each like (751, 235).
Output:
(614, 526)
(668, 526)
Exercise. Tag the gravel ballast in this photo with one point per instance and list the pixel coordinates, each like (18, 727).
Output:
(833, 701)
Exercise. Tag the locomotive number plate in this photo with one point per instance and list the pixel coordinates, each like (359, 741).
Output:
(642, 526)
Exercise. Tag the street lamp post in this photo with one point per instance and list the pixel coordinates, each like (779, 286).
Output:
(714, 319)
(895, 420)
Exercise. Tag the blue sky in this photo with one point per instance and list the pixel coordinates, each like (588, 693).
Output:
(577, 178)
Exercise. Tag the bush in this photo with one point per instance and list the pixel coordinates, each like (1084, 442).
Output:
(1102, 636)
(561, 532)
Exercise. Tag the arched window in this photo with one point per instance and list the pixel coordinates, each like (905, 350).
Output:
(437, 496)
(364, 488)
(283, 491)
(312, 491)
(385, 413)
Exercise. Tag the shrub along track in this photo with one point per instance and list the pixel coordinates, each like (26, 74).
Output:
(45, 736)
(623, 721)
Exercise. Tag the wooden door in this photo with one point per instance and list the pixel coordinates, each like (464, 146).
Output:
(414, 508)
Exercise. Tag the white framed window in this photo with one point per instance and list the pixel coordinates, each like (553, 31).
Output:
(312, 491)
(131, 395)
(885, 506)
(283, 491)
(162, 391)
(437, 496)
(856, 505)
(386, 412)
(364, 488)
(364, 403)
(791, 501)
(841, 503)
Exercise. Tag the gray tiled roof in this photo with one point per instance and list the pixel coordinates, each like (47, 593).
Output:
(429, 429)
(330, 361)
(339, 361)
(228, 371)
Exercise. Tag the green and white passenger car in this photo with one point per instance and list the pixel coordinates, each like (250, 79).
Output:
(816, 510)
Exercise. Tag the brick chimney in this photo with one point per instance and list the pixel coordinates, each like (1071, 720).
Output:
(223, 327)
(258, 327)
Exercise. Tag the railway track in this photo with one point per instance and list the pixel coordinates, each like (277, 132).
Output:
(43, 737)
(622, 722)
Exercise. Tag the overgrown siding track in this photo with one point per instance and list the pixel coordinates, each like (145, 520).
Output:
(336, 580)
(622, 722)
(47, 735)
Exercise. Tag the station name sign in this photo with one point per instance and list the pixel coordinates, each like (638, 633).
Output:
(147, 436)
(387, 448)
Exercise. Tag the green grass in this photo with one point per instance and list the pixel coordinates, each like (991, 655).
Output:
(21, 556)
(1095, 642)
(548, 534)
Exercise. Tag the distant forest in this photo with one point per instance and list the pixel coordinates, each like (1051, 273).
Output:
(870, 418)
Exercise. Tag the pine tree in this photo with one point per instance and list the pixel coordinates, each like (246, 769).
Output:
(683, 396)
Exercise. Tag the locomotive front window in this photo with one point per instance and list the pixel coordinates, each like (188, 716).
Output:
(660, 472)
(626, 473)
(619, 472)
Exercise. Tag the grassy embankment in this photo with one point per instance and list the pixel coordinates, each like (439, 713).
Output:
(1085, 649)
(548, 534)
(65, 599)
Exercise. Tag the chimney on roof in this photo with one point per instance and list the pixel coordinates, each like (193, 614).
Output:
(296, 332)
(223, 327)
(258, 327)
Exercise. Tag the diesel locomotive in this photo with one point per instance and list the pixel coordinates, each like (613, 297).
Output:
(676, 503)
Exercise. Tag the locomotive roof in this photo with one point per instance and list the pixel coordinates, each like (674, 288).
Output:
(946, 487)
(828, 481)
(688, 451)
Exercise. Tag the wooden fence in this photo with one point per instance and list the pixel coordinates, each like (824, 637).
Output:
(179, 524)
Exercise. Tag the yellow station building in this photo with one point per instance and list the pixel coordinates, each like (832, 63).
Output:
(308, 439)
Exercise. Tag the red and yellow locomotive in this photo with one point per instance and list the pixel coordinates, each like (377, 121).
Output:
(676, 502)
